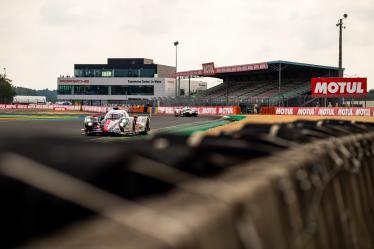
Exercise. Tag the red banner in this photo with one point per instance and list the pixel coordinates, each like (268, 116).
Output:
(324, 111)
(339, 87)
(209, 69)
(204, 110)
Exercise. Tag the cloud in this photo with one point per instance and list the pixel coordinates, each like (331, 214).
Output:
(44, 38)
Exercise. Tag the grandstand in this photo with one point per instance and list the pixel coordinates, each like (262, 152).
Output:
(268, 83)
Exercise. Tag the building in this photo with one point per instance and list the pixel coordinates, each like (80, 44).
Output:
(192, 86)
(116, 82)
(29, 99)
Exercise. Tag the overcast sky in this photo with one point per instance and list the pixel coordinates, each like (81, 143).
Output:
(41, 39)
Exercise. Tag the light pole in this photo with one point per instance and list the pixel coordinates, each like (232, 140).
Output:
(341, 27)
(279, 83)
(4, 72)
(176, 43)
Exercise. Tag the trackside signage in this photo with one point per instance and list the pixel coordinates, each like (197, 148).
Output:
(339, 87)
(325, 111)
(204, 110)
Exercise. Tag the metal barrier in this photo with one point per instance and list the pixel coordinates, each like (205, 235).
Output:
(296, 185)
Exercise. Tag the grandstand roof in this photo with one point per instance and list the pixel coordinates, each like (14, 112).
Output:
(208, 69)
(302, 64)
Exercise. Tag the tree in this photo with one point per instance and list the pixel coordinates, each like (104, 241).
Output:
(6, 90)
(51, 95)
(370, 95)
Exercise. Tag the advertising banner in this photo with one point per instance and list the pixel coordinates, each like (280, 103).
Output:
(204, 110)
(339, 87)
(210, 69)
(324, 111)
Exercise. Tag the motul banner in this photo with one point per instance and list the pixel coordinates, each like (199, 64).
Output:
(339, 87)
(324, 111)
(204, 110)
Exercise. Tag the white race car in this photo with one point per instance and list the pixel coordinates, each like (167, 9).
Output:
(185, 112)
(116, 122)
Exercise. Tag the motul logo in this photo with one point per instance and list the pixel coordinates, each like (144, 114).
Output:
(362, 112)
(326, 112)
(345, 112)
(305, 111)
(339, 87)
(225, 110)
(208, 110)
(284, 111)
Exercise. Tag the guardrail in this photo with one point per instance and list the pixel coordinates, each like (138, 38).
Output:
(295, 185)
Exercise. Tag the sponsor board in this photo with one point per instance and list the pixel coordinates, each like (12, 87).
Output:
(210, 69)
(41, 107)
(207, 110)
(73, 81)
(98, 109)
(204, 110)
(284, 111)
(324, 111)
(60, 108)
(339, 87)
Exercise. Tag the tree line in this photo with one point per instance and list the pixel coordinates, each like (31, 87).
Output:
(8, 91)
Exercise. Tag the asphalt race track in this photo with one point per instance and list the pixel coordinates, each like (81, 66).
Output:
(72, 128)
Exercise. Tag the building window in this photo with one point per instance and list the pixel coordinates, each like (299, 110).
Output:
(133, 90)
(130, 72)
(64, 90)
(121, 72)
(91, 90)
(106, 73)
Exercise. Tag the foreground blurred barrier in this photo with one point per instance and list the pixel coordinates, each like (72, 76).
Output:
(296, 185)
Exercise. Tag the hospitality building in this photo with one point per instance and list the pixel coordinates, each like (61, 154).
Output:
(116, 82)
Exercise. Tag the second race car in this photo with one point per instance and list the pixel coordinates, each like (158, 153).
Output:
(185, 112)
(116, 122)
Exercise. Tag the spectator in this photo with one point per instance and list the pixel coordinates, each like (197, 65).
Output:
(255, 109)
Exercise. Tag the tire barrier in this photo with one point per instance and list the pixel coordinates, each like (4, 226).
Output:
(295, 185)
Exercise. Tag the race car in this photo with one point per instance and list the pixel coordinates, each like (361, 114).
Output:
(116, 122)
(185, 112)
